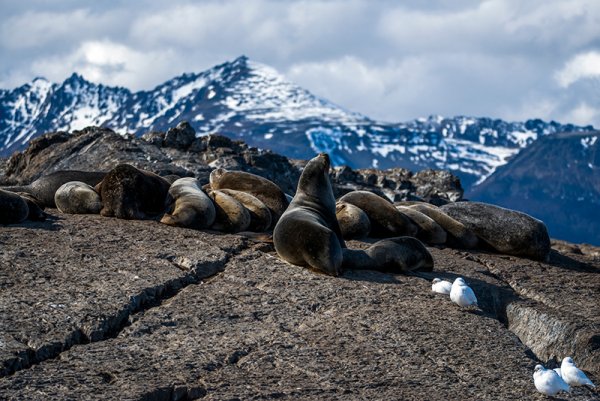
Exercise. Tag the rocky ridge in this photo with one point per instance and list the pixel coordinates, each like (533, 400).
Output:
(102, 308)
(179, 152)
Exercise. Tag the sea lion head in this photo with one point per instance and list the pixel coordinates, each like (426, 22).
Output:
(216, 175)
(314, 180)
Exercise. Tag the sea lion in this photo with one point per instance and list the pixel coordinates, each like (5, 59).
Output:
(267, 191)
(189, 205)
(457, 234)
(308, 233)
(507, 231)
(231, 215)
(13, 208)
(354, 223)
(77, 197)
(260, 215)
(429, 231)
(386, 220)
(390, 255)
(36, 210)
(45, 187)
(131, 193)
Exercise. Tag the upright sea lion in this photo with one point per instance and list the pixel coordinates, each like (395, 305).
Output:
(13, 208)
(429, 231)
(260, 215)
(231, 216)
(130, 193)
(265, 190)
(386, 220)
(189, 205)
(77, 197)
(308, 233)
(45, 187)
(458, 235)
(354, 223)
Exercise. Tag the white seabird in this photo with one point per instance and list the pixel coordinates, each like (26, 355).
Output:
(461, 294)
(548, 382)
(441, 286)
(573, 375)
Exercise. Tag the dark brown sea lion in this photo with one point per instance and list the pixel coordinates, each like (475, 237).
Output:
(308, 233)
(131, 193)
(45, 187)
(13, 208)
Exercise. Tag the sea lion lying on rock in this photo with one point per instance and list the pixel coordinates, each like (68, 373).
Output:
(507, 231)
(44, 188)
(354, 223)
(231, 216)
(13, 208)
(77, 197)
(386, 220)
(260, 215)
(131, 193)
(188, 206)
(458, 235)
(308, 233)
(267, 191)
(429, 231)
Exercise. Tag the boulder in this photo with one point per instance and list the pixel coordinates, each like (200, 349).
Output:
(180, 137)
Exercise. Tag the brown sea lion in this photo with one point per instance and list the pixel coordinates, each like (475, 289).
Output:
(260, 215)
(458, 234)
(265, 190)
(386, 220)
(189, 205)
(354, 223)
(308, 233)
(231, 215)
(429, 231)
(131, 193)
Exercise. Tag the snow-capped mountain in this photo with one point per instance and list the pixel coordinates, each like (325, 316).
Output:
(248, 100)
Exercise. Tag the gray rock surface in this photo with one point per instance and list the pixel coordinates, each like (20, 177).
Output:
(507, 231)
(118, 309)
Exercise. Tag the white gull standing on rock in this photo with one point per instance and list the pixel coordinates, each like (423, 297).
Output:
(461, 294)
(548, 382)
(573, 375)
(441, 286)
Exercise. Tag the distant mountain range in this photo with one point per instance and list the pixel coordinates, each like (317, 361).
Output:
(247, 100)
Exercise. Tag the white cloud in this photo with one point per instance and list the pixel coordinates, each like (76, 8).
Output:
(386, 59)
(582, 66)
(583, 114)
(111, 64)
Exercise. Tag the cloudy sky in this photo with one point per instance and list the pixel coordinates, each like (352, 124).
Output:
(390, 60)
